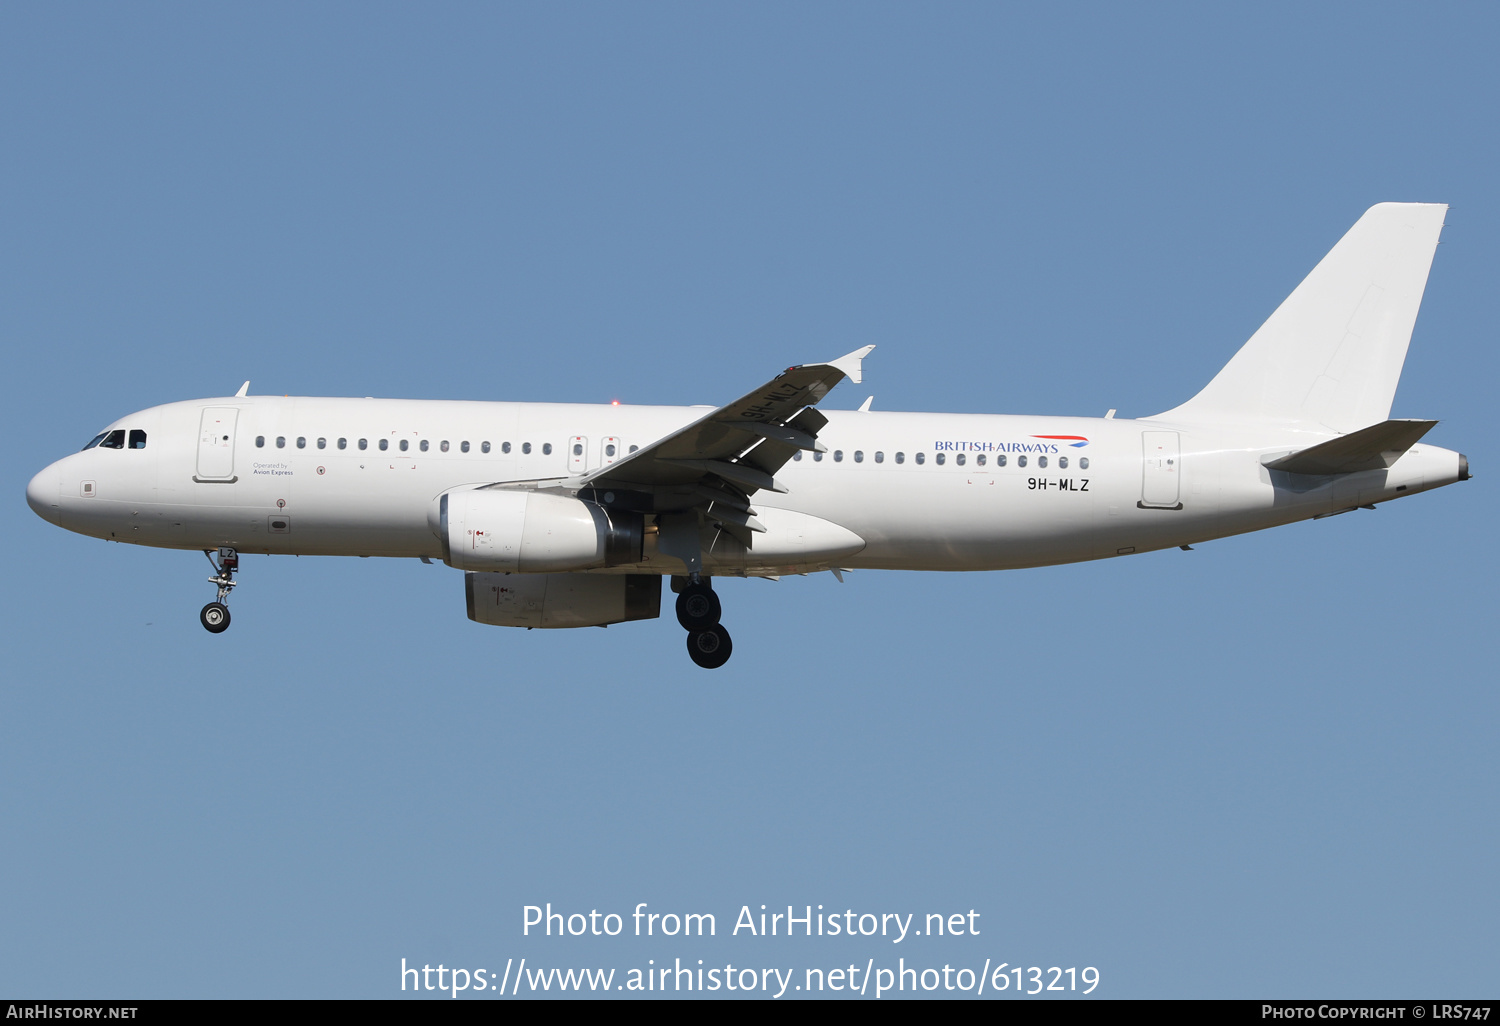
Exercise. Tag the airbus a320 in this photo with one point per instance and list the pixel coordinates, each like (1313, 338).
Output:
(567, 515)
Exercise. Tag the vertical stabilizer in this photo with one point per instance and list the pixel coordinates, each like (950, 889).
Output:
(1330, 356)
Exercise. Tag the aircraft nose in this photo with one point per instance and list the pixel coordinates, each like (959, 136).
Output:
(44, 495)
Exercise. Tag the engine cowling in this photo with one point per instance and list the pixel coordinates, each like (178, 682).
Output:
(561, 600)
(532, 532)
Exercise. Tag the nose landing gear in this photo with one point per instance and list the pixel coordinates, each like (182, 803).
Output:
(215, 615)
(698, 611)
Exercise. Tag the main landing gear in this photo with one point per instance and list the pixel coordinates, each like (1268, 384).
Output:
(215, 615)
(698, 611)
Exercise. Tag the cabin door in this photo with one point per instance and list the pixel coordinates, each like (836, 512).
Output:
(1161, 478)
(216, 444)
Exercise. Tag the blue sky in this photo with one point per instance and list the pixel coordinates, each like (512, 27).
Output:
(1264, 767)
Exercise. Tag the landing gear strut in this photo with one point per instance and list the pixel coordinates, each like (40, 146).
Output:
(215, 615)
(698, 611)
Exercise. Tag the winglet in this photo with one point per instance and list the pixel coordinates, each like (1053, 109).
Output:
(850, 364)
(244, 391)
(864, 407)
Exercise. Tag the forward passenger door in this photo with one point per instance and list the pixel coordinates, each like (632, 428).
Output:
(216, 444)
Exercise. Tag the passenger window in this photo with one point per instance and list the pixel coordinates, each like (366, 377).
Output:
(484, 446)
(577, 449)
(1041, 461)
(137, 439)
(817, 457)
(364, 443)
(921, 457)
(960, 459)
(900, 457)
(609, 450)
(385, 443)
(633, 448)
(879, 457)
(1083, 463)
(1000, 460)
(301, 441)
(546, 448)
(859, 455)
(281, 441)
(260, 441)
(322, 443)
(443, 445)
(525, 448)
(505, 447)
(797, 455)
(422, 445)
(1062, 463)
(403, 445)
(463, 446)
(942, 458)
(838, 455)
(1020, 461)
(980, 459)
(343, 443)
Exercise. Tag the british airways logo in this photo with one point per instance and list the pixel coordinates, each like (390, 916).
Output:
(1044, 443)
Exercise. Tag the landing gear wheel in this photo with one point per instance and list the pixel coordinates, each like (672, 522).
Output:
(710, 649)
(215, 617)
(698, 608)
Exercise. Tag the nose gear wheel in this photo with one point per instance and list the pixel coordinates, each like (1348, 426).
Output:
(215, 618)
(215, 615)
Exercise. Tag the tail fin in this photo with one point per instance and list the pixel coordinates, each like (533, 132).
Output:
(1331, 354)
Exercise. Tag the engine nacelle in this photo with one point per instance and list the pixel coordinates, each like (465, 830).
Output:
(562, 600)
(532, 532)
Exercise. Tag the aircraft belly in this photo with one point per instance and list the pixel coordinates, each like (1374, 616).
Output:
(952, 520)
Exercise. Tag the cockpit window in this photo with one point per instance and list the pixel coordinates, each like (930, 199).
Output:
(137, 439)
(113, 440)
(94, 441)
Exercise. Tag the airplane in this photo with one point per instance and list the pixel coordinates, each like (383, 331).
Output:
(570, 515)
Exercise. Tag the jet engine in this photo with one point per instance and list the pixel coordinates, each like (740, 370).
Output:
(561, 600)
(532, 532)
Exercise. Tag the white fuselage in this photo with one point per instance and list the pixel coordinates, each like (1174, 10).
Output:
(309, 476)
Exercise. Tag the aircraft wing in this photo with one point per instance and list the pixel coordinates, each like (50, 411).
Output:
(725, 456)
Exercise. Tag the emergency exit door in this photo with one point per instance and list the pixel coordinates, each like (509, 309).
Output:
(609, 450)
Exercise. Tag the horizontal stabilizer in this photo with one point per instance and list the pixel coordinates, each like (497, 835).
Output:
(1373, 448)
